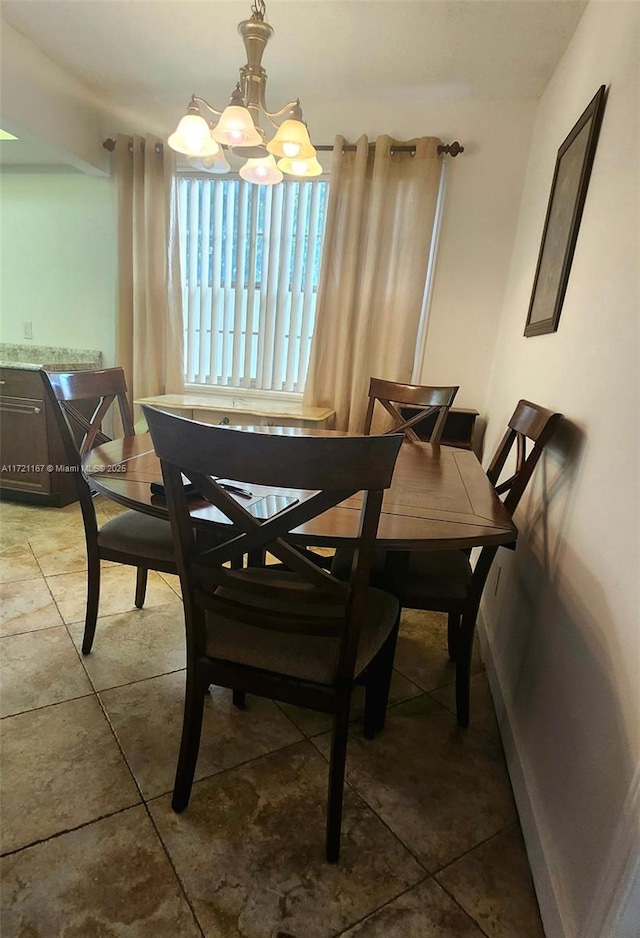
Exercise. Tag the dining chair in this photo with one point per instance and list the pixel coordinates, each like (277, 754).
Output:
(297, 635)
(420, 398)
(445, 581)
(80, 401)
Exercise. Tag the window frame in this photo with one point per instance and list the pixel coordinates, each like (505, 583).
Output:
(237, 392)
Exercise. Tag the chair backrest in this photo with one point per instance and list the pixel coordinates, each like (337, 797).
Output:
(530, 428)
(424, 400)
(322, 472)
(80, 425)
(106, 386)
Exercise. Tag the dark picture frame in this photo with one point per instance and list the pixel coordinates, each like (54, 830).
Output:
(564, 211)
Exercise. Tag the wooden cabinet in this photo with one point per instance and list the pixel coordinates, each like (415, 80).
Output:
(31, 451)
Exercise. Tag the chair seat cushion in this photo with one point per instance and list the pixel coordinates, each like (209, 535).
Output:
(438, 574)
(133, 532)
(310, 658)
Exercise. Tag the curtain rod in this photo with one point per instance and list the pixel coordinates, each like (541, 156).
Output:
(451, 149)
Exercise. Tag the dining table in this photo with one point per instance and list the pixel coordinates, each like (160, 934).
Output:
(439, 499)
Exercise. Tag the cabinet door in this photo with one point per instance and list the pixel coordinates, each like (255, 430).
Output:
(25, 451)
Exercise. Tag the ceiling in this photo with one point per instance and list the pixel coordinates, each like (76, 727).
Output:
(142, 59)
(147, 58)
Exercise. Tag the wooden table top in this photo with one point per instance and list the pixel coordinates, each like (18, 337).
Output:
(440, 497)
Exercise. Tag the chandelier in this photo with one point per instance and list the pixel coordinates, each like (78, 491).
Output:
(238, 128)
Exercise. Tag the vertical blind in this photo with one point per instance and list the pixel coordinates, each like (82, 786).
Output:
(250, 258)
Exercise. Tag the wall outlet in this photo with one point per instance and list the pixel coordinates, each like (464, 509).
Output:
(27, 330)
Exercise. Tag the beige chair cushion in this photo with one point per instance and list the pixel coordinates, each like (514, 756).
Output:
(442, 574)
(136, 533)
(309, 658)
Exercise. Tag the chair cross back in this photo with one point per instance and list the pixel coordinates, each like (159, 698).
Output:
(131, 538)
(323, 471)
(530, 424)
(105, 387)
(423, 399)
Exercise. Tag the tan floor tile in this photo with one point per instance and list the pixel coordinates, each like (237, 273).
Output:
(28, 521)
(147, 719)
(441, 789)
(173, 581)
(18, 563)
(311, 722)
(111, 878)
(39, 668)
(117, 591)
(27, 605)
(135, 645)
(11, 533)
(61, 768)
(493, 883)
(482, 714)
(60, 552)
(425, 911)
(111, 509)
(249, 850)
(421, 653)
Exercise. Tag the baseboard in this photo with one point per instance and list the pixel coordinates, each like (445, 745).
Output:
(548, 888)
(615, 910)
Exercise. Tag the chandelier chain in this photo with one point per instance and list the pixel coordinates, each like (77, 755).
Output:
(258, 10)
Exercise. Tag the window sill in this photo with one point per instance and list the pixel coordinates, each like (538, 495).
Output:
(269, 408)
(242, 396)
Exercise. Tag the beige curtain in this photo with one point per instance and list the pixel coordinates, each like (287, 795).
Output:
(376, 250)
(149, 333)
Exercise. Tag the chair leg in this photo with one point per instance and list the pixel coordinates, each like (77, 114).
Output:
(239, 699)
(190, 742)
(141, 586)
(378, 685)
(464, 648)
(453, 631)
(93, 598)
(336, 779)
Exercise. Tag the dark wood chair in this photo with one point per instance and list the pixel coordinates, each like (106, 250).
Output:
(298, 634)
(131, 538)
(445, 581)
(423, 400)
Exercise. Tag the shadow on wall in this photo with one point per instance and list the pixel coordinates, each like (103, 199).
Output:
(565, 686)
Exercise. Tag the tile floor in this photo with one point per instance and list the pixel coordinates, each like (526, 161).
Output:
(431, 842)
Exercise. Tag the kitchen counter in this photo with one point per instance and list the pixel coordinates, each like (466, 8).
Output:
(34, 357)
(34, 465)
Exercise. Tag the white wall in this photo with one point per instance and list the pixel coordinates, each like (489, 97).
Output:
(562, 636)
(40, 100)
(484, 185)
(483, 191)
(58, 254)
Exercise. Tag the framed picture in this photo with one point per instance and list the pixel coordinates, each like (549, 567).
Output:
(566, 201)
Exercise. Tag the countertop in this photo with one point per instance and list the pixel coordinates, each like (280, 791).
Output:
(34, 357)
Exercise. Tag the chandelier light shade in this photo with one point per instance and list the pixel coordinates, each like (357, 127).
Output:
(292, 141)
(193, 137)
(263, 171)
(210, 164)
(299, 167)
(241, 126)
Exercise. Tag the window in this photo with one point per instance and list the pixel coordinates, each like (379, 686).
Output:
(250, 258)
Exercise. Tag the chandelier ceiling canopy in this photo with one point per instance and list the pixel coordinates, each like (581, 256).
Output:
(241, 127)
